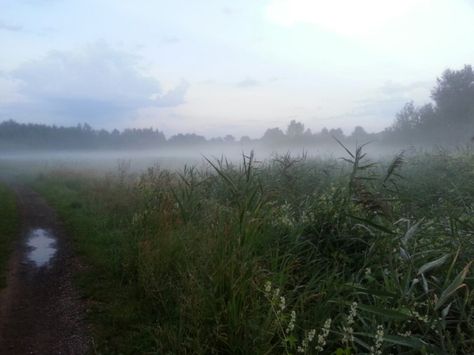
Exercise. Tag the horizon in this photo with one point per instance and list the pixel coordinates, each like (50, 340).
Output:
(218, 68)
(283, 129)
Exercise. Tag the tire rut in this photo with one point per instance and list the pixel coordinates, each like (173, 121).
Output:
(40, 310)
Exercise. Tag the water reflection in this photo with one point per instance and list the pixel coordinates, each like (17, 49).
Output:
(43, 246)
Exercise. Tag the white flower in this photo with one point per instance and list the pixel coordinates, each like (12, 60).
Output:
(348, 331)
(304, 345)
(377, 348)
(323, 336)
(348, 335)
(327, 325)
(276, 293)
(268, 287)
(352, 313)
(406, 334)
(421, 318)
(291, 324)
(282, 303)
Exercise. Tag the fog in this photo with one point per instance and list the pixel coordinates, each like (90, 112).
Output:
(97, 163)
(445, 122)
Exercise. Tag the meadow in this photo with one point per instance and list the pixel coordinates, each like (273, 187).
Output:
(288, 255)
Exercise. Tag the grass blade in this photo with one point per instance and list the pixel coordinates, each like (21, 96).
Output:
(453, 287)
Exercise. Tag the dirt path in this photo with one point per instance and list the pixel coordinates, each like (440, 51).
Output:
(40, 312)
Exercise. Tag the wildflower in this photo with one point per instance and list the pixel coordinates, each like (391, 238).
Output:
(347, 330)
(276, 293)
(406, 334)
(323, 336)
(352, 313)
(377, 348)
(348, 334)
(421, 318)
(286, 215)
(282, 303)
(291, 324)
(303, 346)
(268, 287)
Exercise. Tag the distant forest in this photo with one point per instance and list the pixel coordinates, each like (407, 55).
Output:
(448, 120)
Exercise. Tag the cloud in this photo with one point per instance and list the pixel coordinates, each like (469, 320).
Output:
(9, 27)
(378, 110)
(381, 107)
(173, 97)
(391, 88)
(390, 98)
(374, 114)
(96, 85)
(248, 83)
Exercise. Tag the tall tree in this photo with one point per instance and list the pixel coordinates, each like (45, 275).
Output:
(295, 129)
(454, 96)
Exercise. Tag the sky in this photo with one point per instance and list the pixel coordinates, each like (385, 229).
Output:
(217, 67)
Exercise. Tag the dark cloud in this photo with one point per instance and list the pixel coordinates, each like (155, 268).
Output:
(248, 83)
(94, 85)
(10, 27)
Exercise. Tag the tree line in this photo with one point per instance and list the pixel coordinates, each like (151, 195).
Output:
(447, 120)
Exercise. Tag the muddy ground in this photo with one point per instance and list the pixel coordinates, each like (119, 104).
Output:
(40, 310)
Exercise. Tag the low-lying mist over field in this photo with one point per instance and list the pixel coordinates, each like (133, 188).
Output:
(174, 158)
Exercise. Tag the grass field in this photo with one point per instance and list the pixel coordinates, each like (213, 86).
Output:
(287, 256)
(8, 227)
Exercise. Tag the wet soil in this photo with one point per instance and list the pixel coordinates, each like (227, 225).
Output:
(40, 310)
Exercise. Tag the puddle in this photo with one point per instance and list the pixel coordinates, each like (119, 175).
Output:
(43, 247)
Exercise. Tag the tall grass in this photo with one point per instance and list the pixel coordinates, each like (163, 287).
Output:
(8, 228)
(285, 256)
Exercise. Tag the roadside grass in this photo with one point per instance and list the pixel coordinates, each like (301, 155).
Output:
(119, 319)
(286, 256)
(9, 224)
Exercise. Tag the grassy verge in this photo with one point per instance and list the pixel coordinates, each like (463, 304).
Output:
(290, 256)
(120, 322)
(8, 228)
